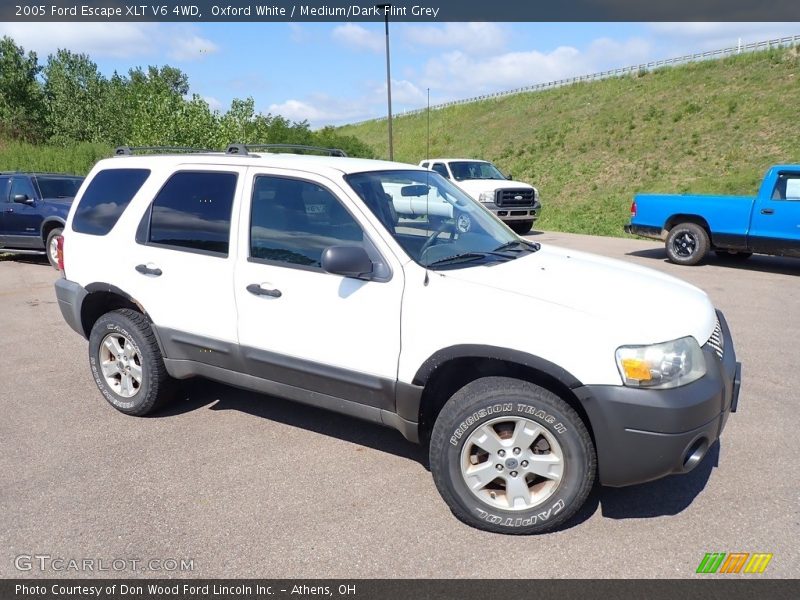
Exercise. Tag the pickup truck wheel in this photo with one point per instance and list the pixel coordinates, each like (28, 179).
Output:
(126, 363)
(511, 457)
(521, 227)
(52, 246)
(687, 244)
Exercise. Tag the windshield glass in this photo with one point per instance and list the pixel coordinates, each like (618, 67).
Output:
(59, 187)
(437, 224)
(474, 169)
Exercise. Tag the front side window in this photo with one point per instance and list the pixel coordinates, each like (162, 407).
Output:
(441, 170)
(106, 198)
(293, 221)
(5, 183)
(787, 187)
(474, 169)
(437, 224)
(21, 186)
(193, 212)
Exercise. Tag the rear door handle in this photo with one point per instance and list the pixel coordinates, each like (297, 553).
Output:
(149, 270)
(256, 289)
(767, 211)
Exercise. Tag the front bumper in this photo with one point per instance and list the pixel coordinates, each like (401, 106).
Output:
(642, 434)
(515, 213)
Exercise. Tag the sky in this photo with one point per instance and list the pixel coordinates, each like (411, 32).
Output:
(335, 73)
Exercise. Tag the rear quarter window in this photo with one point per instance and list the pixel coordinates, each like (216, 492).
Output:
(106, 198)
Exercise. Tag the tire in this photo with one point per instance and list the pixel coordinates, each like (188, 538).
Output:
(138, 351)
(521, 227)
(687, 244)
(733, 256)
(51, 248)
(557, 435)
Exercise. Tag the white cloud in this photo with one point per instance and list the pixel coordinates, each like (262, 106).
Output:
(358, 37)
(685, 38)
(212, 102)
(298, 34)
(111, 40)
(321, 109)
(469, 38)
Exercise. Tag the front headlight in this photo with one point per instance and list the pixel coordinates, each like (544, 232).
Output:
(666, 365)
(486, 196)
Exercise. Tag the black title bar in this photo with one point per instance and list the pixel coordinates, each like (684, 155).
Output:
(400, 10)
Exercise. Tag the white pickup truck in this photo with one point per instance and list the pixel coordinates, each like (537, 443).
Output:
(513, 202)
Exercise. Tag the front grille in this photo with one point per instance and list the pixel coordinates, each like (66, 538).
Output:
(512, 197)
(716, 342)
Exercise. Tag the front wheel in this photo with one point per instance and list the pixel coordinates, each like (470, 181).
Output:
(521, 227)
(509, 456)
(687, 244)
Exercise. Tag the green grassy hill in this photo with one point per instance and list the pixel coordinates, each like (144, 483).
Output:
(709, 127)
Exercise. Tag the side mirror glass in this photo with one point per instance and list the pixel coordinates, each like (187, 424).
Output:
(349, 261)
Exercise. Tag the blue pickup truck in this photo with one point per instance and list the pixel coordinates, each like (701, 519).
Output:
(33, 209)
(734, 227)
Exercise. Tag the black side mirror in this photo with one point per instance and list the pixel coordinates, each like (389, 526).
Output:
(509, 177)
(349, 261)
(23, 199)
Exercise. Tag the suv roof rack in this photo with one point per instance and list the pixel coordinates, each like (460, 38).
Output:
(130, 150)
(245, 148)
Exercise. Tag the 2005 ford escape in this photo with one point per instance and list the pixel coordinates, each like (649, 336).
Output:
(293, 275)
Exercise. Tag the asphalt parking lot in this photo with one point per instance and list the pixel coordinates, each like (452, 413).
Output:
(252, 486)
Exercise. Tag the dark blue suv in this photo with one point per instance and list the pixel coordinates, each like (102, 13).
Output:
(33, 209)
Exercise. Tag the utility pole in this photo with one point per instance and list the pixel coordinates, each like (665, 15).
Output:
(385, 8)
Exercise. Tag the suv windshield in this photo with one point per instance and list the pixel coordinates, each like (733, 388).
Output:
(59, 187)
(474, 169)
(437, 224)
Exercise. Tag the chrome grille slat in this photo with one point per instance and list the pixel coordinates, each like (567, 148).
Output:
(716, 342)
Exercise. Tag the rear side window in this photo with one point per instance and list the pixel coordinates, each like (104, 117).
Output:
(58, 187)
(106, 198)
(193, 212)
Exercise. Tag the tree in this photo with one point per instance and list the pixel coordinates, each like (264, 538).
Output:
(21, 98)
(74, 93)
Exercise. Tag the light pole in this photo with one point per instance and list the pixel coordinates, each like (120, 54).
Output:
(385, 8)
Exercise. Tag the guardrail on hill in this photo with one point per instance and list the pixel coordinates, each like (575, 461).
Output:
(710, 55)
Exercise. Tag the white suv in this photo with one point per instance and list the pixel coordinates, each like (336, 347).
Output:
(513, 202)
(292, 275)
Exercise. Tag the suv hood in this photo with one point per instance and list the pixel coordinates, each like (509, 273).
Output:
(643, 305)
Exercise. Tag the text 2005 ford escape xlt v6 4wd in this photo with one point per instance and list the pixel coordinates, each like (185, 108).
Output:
(293, 276)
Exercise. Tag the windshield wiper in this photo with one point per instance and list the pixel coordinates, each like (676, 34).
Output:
(466, 257)
(529, 246)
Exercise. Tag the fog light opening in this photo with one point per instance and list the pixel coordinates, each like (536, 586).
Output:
(695, 454)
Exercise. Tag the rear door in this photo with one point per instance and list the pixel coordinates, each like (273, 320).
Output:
(299, 325)
(775, 226)
(181, 268)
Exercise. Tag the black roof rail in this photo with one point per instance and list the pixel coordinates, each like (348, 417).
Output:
(245, 148)
(130, 150)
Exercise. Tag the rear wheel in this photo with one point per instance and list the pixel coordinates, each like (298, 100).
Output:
(511, 457)
(51, 246)
(521, 227)
(126, 363)
(687, 244)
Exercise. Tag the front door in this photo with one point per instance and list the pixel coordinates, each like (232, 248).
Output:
(775, 226)
(299, 325)
(23, 222)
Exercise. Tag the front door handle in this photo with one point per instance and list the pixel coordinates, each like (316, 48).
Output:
(11, 210)
(256, 289)
(149, 270)
(767, 211)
